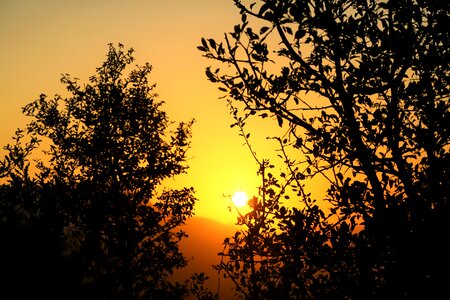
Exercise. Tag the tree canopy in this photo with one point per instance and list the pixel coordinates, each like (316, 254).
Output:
(362, 88)
(89, 219)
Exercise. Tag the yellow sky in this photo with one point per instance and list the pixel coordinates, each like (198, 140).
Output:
(41, 39)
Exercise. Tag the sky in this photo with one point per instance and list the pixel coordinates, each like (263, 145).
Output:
(42, 39)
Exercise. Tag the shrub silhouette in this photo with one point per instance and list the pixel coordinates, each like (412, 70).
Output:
(87, 221)
(362, 90)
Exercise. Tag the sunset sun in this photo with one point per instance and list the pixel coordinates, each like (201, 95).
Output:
(239, 199)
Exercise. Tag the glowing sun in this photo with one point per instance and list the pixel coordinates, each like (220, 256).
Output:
(239, 199)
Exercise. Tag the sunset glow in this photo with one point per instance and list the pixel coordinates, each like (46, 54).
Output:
(227, 149)
(73, 39)
(240, 199)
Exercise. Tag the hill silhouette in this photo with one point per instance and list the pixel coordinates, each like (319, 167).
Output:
(201, 247)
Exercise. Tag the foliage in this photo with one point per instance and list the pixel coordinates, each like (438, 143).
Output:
(196, 286)
(362, 88)
(90, 223)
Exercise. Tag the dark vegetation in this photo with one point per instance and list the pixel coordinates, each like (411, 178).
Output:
(85, 219)
(362, 89)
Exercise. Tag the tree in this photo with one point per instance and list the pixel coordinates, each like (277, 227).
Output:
(96, 225)
(363, 87)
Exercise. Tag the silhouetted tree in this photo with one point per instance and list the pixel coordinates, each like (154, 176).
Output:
(363, 87)
(88, 220)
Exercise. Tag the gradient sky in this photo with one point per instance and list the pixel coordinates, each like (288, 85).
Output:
(41, 39)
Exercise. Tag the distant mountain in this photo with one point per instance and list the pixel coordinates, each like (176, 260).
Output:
(201, 247)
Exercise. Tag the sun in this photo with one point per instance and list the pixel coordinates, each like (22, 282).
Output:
(239, 199)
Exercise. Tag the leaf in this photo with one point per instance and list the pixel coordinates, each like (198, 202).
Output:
(244, 18)
(263, 9)
(300, 34)
(204, 43)
(256, 57)
(210, 75)
(280, 121)
(288, 30)
(212, 43)
(263, 30)
(237, 29)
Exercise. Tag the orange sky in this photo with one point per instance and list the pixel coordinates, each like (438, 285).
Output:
(42, 39)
